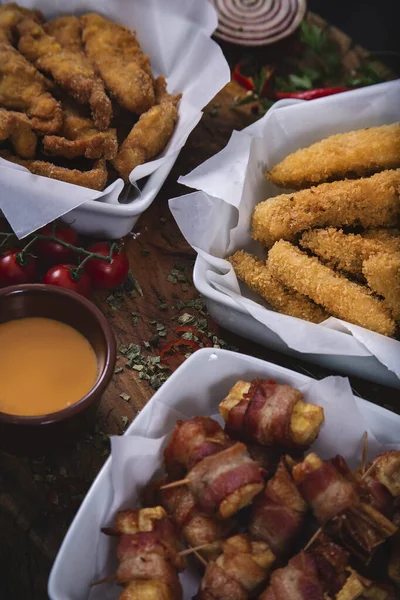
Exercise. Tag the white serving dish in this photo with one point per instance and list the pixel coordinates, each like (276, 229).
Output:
(231, 183)
(210, 373)
(192, 63)
(231, 315)
(113, 220)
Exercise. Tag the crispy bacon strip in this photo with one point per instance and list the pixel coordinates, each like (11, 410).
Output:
(196, 526)
(239, 571)
(191, 441)
(224, 483)
(279, 512)
(337, 503)
(270, 414)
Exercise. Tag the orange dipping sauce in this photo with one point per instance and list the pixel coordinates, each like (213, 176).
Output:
(45, 366)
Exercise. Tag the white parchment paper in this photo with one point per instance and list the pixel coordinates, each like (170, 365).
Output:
(176, 36)
(137, 459)
(216, 220)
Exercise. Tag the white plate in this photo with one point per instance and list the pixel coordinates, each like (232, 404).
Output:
(210, 373)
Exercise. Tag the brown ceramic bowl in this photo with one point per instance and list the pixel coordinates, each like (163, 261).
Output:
(34, 434)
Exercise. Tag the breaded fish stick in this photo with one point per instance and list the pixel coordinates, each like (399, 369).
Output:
(382, 273)
(342, 298)
(391, 237)
(370, 202)
(256, 274)
(345, 252)
(148, 137)
(362, 152)
(95, 179)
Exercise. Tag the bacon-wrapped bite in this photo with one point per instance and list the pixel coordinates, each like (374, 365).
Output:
(385, 468)
(270, 414)
(191, 441)
(337, 502)
(299, 580)
(241, 569)
(224, 483)
(197, 527)
(279, 512)
(148, 551)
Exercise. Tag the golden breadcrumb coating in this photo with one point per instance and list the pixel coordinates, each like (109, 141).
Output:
(24, 89)
(369, 202)
(71, 70)
(359, 152)
(120, 62)
(16, 127)
(391, 237)
(341, 251)
(255, 273)
(382, 273)
(95, 179)
(148, 137)
(67, 31)
(342, 298)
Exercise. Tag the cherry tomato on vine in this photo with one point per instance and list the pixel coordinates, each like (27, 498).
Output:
(105, 275)
(66, 276)
(16, 268)
(52, 253)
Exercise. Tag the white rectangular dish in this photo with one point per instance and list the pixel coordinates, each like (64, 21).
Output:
(232, 183)
(210, 373)
(176, 35)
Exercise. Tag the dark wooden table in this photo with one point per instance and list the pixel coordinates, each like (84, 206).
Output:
(40, 496)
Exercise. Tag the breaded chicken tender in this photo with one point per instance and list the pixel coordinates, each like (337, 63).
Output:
(255, 273)
(369, 202)
(95, 179)
(71, 70)
(382, 273)
(16, 127)
(10, 15)
(24, 89)
(80, 137)
(341, 298)
(359, 152)
(120, 62)
(148, 137)
(67, 31)
(341, 251)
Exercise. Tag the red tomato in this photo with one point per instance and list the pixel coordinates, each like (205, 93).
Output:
(52, 253)
(14, 273)
(62, 275)
(105, 275)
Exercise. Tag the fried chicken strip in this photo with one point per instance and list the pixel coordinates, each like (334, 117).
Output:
(95, 179)
(120, 62)
(341, 251)
(10, 15)
(67, 31)
(382, 273)
(370, 202)
(71, 70)
(80, 137)
(256, 274)
(359, 152)
(148, 137)
(342, 298)
(23, 88)
(17, 128)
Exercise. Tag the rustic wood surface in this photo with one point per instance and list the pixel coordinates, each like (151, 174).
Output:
(39, 496)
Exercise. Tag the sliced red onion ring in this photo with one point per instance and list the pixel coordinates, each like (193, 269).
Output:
(257, 22)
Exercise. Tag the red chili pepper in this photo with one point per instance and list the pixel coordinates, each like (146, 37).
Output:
(246, 82)
(311, 94)
(174, 347)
